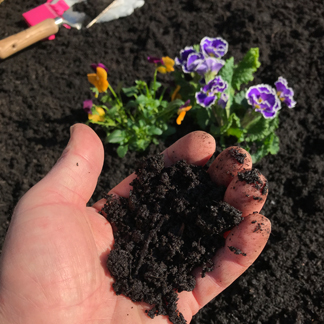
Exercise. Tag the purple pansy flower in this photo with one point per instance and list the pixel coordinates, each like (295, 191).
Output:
(263, 99)
(209, 64)
(155, 60)
(222, 102)
(94, 67)
(194, 59)
(215, 47)
(87, 105)
(208, 94)
(184, 56)
(284, 93)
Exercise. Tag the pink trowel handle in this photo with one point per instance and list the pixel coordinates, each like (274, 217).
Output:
(45, 11)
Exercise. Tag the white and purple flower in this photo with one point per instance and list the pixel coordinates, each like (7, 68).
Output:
(207, 60)
(284, 93)
(222, 102)
(264, 99)
(209, 93)
(209, 65)
(186, 60)
(213, 47)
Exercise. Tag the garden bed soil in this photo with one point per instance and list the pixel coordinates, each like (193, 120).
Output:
(41, 93)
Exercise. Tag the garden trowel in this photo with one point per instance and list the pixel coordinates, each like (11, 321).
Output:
(45, 21)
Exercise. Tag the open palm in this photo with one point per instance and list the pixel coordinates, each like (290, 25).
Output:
(53, 263)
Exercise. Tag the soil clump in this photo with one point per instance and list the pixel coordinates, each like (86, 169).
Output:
(172, 222)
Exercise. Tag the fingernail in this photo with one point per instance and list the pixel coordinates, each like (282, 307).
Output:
(71, 130)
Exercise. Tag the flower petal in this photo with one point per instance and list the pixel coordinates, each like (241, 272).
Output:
(94, 66)
(209, 64)
(87, 105)
(214, 47)
(92, 78)
(204, 100)
(101, 73)
(155, 60)
(181, 117)
(285, 94)
(102, 85)
(175, 93)
(162, 69)
(264, 99)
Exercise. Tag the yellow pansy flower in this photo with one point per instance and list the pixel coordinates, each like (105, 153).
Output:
(99, 117)
(176, 95)
(99, 79)
(168, 65)
(182, 112)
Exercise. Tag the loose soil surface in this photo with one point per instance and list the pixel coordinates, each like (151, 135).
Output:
(41, 93)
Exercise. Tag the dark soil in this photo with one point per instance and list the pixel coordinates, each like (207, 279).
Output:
(172, 222)
(41, 95)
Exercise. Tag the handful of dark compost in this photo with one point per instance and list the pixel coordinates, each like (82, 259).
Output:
(172, 223)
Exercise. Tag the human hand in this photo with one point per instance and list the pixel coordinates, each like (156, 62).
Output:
(53, 263)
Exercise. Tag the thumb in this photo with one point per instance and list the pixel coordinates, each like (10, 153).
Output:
(74, 177)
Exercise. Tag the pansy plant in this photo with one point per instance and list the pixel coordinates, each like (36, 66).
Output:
(138, 121)
(214, 91)
(250, 116)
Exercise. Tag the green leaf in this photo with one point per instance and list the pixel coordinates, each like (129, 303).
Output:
(243, 72)
(152, 130)
(262, 128)
(237, 132)
(122, 150)
(233, 121)
(270, 145)
(169, 131)
(109, 122)
(141, 85)
(215, 130)
(155, 86)
(196, 48)
(240, 99)
(203, 117)
(155, 141)
(117, 136)
(105, 98)
(142, 100)
(95, 91)
(227, 71)
(131, 91)
(274, 146)
(210, 76)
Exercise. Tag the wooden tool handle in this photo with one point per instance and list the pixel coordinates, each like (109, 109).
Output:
(16, 43)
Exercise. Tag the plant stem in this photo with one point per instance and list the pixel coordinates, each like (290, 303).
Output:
(154, 82)
(219, 118)
(114, 94)
(249, 118)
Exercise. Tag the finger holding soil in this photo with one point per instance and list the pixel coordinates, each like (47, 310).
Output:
(242, 247)
(247, 192)
(228, 164)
